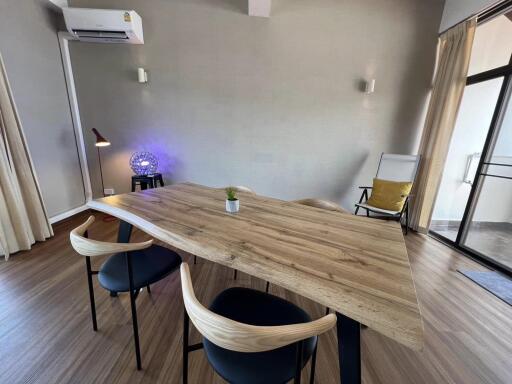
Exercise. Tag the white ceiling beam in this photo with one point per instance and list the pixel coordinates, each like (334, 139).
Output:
(260, 8)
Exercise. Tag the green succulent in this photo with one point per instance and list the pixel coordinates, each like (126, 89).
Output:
(231, 194)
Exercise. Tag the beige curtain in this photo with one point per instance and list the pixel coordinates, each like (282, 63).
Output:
(450, 80)
(23, 218)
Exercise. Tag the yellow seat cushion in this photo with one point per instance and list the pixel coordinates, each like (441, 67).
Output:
(388, 194)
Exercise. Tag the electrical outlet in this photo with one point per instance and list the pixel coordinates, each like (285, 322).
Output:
(108, 191)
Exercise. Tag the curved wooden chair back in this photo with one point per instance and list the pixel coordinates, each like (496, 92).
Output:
(322, 204)
(240, 337)
(241, 188)
(88, 247)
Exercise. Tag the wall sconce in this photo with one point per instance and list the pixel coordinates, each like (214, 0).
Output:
(369, 86)
(142, 75)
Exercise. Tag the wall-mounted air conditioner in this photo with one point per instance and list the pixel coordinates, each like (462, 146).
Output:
(104, 25)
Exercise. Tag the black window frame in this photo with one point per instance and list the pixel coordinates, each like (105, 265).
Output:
(504, 72)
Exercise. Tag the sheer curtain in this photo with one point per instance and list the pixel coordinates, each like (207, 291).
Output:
(23, 218)
(450, 80)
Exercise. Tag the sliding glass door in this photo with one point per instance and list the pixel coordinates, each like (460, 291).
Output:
(489, 223)
(473, 210)
(466, 147)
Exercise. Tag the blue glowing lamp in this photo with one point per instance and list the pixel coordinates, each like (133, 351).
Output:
(143, 163)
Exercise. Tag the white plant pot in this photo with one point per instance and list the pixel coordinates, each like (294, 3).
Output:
(232, 206)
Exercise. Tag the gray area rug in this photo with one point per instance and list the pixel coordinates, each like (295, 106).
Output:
(494, 282)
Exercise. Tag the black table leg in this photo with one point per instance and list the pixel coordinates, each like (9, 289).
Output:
(349, 349)
(123, 236)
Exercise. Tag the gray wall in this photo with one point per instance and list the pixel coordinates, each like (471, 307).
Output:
(457, 10)
(274, 104)
(29, 46)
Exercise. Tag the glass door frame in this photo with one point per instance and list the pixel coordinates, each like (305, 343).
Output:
(504, 72)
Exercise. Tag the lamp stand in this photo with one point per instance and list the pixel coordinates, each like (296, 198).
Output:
(107, 218)
(101, 173)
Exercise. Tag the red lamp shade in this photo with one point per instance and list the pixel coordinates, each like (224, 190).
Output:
(100, 140)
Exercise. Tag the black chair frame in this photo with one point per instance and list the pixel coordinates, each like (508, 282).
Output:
(134, 293)
(194, 347)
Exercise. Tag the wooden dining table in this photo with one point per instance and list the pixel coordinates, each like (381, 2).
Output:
(357, 266)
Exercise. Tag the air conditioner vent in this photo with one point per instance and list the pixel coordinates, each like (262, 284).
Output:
(89, 34)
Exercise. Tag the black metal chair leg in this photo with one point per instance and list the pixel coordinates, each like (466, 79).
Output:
(267, 287)
(134, 312)
(195, 260)
(361, 200)
(185, 346)
(123, 236)
(327, 311)
(148, 288)
(313, 363)
(91, 293)
(235, 274)
(298, 368)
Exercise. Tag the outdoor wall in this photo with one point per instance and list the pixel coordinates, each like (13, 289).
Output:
(274, 104)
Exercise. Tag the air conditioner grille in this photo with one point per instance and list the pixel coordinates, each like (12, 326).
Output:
(91, 34)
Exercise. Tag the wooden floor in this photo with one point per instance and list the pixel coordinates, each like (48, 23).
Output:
(46, 333)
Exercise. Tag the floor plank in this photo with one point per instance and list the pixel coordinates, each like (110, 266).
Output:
(46, 332)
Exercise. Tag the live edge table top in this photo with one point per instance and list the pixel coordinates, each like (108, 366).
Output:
(354, 265)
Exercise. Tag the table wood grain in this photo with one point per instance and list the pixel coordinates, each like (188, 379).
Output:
(355, 265)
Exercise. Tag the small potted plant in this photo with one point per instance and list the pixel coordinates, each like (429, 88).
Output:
(232, 202)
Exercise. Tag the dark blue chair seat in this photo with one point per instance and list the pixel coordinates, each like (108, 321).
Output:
(149, 266)
(257, 308)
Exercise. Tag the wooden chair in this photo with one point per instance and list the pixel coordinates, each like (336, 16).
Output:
(402, 168)
(250, 336)
(322, 204)
(241, 188)
(132, 267)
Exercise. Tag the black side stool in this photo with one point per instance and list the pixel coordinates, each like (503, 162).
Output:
(146, 181)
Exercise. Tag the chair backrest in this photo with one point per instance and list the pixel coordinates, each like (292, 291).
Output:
(241, 337)
(88, 247)
(241, 188)
(398, 167)
(322, 204)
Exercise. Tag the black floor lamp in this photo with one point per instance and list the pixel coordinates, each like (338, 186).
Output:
(100, 142)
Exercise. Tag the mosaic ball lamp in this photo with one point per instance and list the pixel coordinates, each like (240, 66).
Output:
(143, 163)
